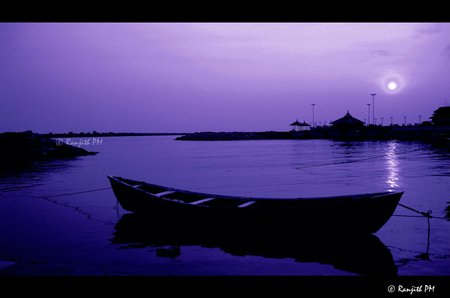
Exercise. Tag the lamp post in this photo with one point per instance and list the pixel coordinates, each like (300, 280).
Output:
(404, 120)
(382, 118)
(392, 118)
(313, 105)
(368, 114)
(373, 105)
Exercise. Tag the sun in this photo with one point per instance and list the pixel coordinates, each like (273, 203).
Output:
(392, 82)
(392, 86)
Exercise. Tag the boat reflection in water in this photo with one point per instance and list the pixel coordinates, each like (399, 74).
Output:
(362, 254)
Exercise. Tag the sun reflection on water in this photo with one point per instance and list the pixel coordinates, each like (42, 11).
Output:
(392, 179)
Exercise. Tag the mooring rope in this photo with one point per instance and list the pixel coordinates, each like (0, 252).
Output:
(426, 214)
(404, 215)
(422, 213)
(76, 208)
(75, 193)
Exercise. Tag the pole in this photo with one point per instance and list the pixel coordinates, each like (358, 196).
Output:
(312, 124)
(368, 114)
(392, 118)
(373, 106)
(382, 121)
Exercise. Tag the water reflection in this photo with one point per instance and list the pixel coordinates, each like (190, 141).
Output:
(365, 255)
(30, 174)
(392, 179)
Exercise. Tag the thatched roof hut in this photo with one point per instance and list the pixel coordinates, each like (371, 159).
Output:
(347, 121)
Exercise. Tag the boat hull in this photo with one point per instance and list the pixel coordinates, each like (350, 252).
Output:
(345, 214)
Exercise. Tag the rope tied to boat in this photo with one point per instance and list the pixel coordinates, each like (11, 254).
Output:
(75, 193)
(425, 214)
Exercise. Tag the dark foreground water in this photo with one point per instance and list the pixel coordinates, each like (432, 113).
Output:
(44, 231)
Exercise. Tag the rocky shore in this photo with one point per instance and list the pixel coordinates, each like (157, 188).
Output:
(19, 147)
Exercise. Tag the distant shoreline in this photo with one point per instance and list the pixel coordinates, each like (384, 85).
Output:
(428, 133)
(107, 134)
(434, 134)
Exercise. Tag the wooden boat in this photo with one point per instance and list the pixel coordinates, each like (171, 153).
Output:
(363, 213)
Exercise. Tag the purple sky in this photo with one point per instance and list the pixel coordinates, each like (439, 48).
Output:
(216, 77)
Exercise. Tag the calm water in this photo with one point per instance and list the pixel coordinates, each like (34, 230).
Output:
(45, 232)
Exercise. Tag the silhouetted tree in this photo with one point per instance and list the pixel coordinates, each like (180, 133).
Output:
(441, 116)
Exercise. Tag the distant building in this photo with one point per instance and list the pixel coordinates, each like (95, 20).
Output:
(441, 116)
(297, 126)
(347, 127)
(348, 121)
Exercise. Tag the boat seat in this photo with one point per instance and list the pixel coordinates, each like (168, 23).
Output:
(164, 193)
(202, 201)
(246, 204)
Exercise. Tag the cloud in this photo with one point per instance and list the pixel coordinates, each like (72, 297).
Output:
(382, 53)
(446, 51)
(430, 30)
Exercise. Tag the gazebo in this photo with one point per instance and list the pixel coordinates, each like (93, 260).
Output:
(348, 122)
(347, 127)
(300, 126)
